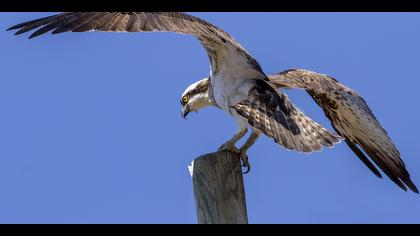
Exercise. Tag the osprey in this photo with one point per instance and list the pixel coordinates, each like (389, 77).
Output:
(238, 86)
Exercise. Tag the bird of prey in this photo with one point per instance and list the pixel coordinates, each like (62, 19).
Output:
(238, 86)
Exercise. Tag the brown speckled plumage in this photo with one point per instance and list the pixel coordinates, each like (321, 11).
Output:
(209, 35)
(352, 118)
(272, 113)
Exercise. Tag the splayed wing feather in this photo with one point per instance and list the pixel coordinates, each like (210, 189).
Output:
(273, 114)
(217, 42)
(363, 158)
(352, 118)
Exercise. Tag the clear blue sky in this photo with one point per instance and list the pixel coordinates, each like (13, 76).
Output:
(90, 125)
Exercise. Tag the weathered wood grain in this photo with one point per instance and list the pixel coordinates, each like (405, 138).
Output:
(219, 189)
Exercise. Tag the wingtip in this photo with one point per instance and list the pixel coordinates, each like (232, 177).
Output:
(413, 187)
(408, 183)
(377, 173)
(20, 30)
(13, 28)
(35, 34)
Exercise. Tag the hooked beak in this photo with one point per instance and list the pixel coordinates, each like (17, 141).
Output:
(185, 111)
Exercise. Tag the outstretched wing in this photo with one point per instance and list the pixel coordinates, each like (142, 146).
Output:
(352, 118)
(272, 113)
(220, 46)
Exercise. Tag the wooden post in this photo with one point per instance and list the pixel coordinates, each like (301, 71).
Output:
(219, 189)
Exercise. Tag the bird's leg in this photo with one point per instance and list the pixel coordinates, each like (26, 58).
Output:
(243, 150)
(230, 145)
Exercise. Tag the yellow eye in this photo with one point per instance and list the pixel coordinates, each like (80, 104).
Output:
(184, 99)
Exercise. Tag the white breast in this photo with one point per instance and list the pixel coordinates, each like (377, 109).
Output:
(233, 79)
(229, 90)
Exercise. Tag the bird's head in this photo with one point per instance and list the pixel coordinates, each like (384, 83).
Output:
(196, 96)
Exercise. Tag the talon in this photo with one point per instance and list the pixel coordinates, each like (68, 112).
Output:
(248, 168)
(245, 162)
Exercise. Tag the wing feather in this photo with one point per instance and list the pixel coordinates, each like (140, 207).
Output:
(217, 42)
(271, 112)
(352, 118)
